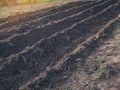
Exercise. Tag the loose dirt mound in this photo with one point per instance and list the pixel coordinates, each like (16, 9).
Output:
(42, 47)
(99, 71)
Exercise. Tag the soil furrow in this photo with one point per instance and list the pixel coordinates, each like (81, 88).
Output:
(47, 13)
(40, 13)
(45, 20)
(30, 63)
(45, 81)
(24, 28)
(35, 35)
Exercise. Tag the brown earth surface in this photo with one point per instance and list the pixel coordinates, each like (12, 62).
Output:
(12, 10)
(70, 47)
(100, 71)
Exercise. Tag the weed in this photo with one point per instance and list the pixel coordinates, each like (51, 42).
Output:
(66, 88)
(99, 58)
(100, 71)
(118, 44)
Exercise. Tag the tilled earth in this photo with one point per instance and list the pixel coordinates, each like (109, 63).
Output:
(39, 49)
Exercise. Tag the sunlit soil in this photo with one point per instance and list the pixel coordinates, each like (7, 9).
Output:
(19, 9)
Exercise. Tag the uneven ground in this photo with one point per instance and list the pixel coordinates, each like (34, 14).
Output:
(8, 11)
(100, 71)
(72, 47)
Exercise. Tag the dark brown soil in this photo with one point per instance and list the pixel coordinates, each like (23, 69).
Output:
(12, 44)
(42, 52)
